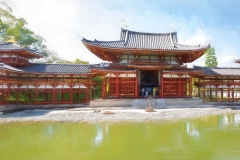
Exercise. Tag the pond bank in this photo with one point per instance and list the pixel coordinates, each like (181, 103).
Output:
(110, 114)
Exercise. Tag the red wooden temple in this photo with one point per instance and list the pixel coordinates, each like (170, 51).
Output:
(144, 64)
(139, 65)
(22, 82)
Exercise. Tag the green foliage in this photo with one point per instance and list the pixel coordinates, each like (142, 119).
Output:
(98, 87)
(76, 61)
(14, 29)
(210, 58)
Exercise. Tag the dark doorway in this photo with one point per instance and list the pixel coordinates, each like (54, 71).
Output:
(149, 83)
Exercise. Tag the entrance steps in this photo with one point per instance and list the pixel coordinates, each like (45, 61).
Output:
(143, 103)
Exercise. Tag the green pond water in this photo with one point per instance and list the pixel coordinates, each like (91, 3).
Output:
(213, 137)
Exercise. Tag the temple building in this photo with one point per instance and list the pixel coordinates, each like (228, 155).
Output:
(138, 65)
(22, 82)
(143, 64)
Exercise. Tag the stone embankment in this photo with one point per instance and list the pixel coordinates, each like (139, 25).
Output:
(113, 115)
(167, 109)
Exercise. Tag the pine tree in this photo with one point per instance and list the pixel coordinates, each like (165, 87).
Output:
(210, 58)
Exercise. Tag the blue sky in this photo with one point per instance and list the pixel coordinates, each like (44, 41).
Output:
(63, 23)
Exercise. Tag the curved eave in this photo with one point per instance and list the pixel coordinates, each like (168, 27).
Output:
(184, 72)
(237, 61)
(99, 51)
(22, 52)
(100, 71)
(149, 67)
(33, 53)
(221, 75)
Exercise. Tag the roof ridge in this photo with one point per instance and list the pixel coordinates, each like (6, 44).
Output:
(4, 43)
(151, 33)
(13, 43)
(95, 40)
(108, 41)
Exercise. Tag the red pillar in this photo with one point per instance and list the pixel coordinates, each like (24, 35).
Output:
(179, 87)
(54, 94)
(216, 93)
(228, 93)
(136, 84)
(117, 86)
(46, 95)
(203, 93)
(86, 97)
(36, 94)
(161, 86)
(18, 95)
(104, 88)
(71, 95)
(190, 88)
(7, 96)
(71, 91)
(221, 94)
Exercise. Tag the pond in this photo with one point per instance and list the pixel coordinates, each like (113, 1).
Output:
(212, 137)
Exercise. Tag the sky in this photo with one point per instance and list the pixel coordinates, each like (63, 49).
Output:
(63, 23)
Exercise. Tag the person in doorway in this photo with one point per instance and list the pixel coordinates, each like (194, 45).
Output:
(146, 93)
(154, 91)
(142, 92)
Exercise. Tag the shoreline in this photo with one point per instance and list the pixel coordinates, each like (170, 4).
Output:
(95, 115)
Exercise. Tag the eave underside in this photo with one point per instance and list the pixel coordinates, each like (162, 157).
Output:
(22, 52)
(112, 54)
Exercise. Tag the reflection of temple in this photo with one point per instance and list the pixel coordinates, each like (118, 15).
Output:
(140, 64)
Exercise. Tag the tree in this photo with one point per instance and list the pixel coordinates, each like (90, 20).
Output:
(14, 29)
(98, 87)
(76, 61)
(210, 58)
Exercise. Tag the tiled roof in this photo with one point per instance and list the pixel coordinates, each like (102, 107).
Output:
(10, 46)
(51, 68)
(13, 46)
(220, 71)
(237, 60)
(140, 40)
(58, 68)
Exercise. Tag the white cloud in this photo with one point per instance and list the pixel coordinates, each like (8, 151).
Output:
(63, 23)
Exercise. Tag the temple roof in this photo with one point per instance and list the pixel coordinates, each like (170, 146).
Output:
(237, 60)
(8, 67)
(220, 71)
(51, 68)
(147, 41)
(4, 47)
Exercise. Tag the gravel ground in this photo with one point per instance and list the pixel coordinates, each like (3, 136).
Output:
(107, 114)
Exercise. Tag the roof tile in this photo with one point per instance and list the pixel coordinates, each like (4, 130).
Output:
(140, 40)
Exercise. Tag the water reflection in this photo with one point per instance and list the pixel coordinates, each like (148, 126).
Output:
(229, 119)
(49, 130)
(99, 137)
(191, 130)
(200, 138)
(237, 118)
